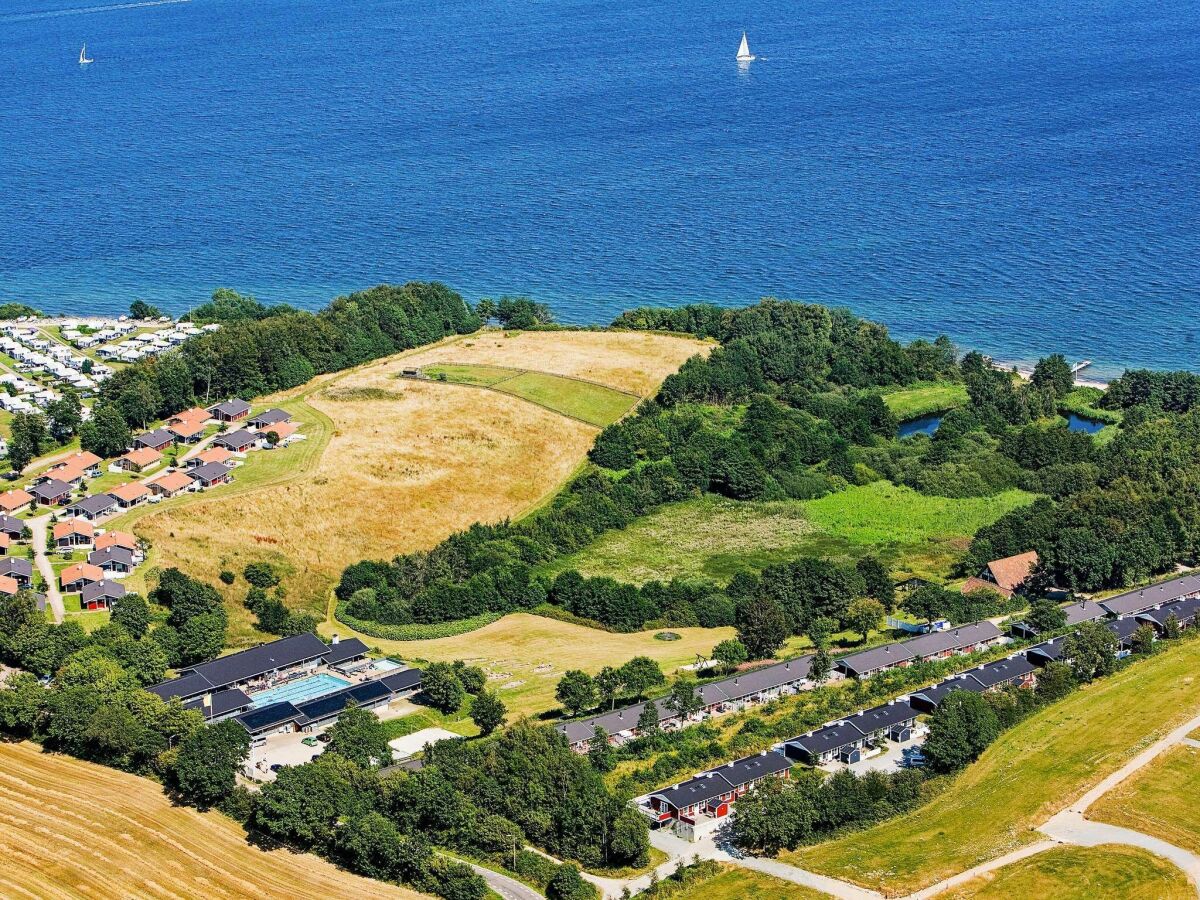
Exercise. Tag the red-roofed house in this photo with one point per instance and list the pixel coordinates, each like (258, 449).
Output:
(1003, 575)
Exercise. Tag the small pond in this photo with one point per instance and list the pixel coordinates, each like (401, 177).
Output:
(927, 424)
(1077, 422)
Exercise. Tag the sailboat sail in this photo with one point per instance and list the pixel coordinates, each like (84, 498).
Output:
(744, 49)
(83, 57)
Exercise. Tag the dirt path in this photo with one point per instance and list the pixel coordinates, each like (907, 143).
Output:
(53, 595)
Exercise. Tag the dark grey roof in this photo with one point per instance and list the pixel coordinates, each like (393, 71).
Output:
(877, 718)
(1155, 594)
(272, 716)
(952, 639)
(232, 407)
(111, 554)
(95, 505)
(271, 417)
(238, 667)
(210, 471)
(767, 678)
(715, 782)
(930, 698)
(185, 686)
(113, 590)
(403, 680)
(236, 439)
(1002, 671)
(223, 702)
(1184, 610)
(876, 658)
(1083, 611)
(344, 650)
(16, 565)
(50, 489)
(1047, 651)
(827, 738)
(1123, 628)
(11, 525)
(156, 438)
(736, 687)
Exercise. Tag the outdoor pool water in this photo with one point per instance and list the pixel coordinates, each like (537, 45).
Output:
(300, 690)
(387, 665)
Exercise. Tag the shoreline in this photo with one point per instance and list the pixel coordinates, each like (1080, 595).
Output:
(1026, 372)
(1023, 368)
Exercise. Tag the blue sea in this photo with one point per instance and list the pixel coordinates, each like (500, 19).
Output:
(1022, 176)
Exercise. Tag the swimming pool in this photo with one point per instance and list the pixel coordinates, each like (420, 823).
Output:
(300, 690)
(387, 665)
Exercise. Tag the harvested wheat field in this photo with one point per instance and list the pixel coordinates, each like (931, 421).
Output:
(635, 361)
(72, 829)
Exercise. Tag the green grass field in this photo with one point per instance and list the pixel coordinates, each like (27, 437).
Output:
(1030, 773)
(737, 884)
(592, 403)
(1159, 799)
(1082, 873)
(925, 397)
(913, 533)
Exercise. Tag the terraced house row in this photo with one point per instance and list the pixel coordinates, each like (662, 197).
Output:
(695, 807)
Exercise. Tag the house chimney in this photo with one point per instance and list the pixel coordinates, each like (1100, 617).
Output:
(207, 701)
(334, 640)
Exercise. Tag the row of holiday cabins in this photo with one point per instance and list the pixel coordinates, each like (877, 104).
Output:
(711, 794)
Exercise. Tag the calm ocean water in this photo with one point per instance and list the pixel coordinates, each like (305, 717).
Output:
(1024, 176)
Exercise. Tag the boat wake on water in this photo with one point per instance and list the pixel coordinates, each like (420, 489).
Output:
(84, 10)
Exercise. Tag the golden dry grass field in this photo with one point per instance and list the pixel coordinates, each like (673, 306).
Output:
(635, 361)
(525, 655)
(72, 829)
(393, 465)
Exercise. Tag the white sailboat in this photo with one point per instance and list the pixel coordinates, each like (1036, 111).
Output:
(84, 59)
(744, 55)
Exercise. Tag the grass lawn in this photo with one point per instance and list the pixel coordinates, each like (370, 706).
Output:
(1033, 771)
(913, 533)
(594, 404)
(1160, 799)
(151, 847)
(389, 466)
(1082, 873)
(736, 884)
(525, 655)
(925, 397)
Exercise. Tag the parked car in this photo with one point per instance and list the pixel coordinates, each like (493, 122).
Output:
(309, 742)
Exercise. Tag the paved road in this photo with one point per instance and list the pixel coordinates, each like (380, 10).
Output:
(53, 596)
(508, 888)
(1069, 827)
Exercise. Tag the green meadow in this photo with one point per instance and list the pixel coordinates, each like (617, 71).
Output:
(913, 533)
(584, 400)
